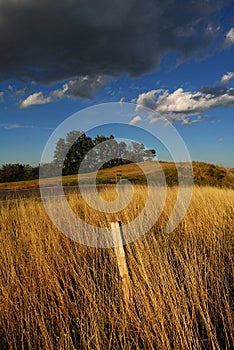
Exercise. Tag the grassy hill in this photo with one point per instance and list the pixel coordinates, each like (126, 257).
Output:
(204, 174)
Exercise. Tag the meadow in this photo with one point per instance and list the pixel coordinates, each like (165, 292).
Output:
(58, 294)
(205, 174)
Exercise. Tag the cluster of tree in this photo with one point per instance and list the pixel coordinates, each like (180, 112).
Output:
(78, 147)
(75, 149)
(18, 172)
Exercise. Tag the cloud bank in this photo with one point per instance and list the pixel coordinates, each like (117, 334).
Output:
(52, 41)
(81, 87)
(181, 105)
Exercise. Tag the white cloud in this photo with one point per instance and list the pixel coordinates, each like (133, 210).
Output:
(227, 77)
(35, 99)
(190, 103)
(220, 139)
(135, 120)
(147, 99)
(180, 104)
(229, 39)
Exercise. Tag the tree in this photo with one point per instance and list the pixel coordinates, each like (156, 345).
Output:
(101, 138)
(138, 153)
(49, 170)
(122, 149)
(17, 172)
(149, 154)
(69, 153)
(78, 148)
(60, 152)
(135, 152)
(105, 149)
(101, 151)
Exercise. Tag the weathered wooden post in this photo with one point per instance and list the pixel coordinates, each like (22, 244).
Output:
(121, 260)
(118, 175)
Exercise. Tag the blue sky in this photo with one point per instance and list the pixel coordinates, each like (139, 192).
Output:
(182, 68)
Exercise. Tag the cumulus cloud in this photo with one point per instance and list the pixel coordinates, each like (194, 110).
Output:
(53, 41)
(229, 39)
(35, 99)
(180, 104)
(186, 102)
(147, 99)
(227, 77)
(135, 120)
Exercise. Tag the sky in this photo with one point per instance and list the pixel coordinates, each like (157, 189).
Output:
(174, 57)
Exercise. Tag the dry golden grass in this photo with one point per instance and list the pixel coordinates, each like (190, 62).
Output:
(204, 174)
(58, 294)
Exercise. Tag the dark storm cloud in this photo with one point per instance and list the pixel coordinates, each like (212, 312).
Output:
(214, 91)
(50, 40)
(82, 87)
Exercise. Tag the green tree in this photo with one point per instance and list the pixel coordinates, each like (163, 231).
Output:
(149, 154)
(138, 153)
(60, 152)
(78, 145)
(135, 152)
(17, 172)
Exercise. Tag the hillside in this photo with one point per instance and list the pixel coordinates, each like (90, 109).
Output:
(204, 174)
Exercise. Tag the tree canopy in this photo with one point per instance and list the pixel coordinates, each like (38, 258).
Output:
(76, 149)
(18, 172)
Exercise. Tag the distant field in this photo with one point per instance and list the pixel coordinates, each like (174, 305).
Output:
(58, 294)
(204, 174)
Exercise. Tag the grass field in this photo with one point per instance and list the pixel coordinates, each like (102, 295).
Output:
(58, 294)
(204, 174)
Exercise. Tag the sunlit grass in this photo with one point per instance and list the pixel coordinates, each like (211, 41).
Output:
(204, 174)
(58, 294)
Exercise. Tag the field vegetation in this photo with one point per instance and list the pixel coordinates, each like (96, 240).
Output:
(204, 174)
(58, 294)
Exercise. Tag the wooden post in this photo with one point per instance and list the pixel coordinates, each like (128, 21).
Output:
(121, 260)
(118, 175)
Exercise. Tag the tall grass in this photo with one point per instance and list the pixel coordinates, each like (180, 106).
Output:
(58, 294)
